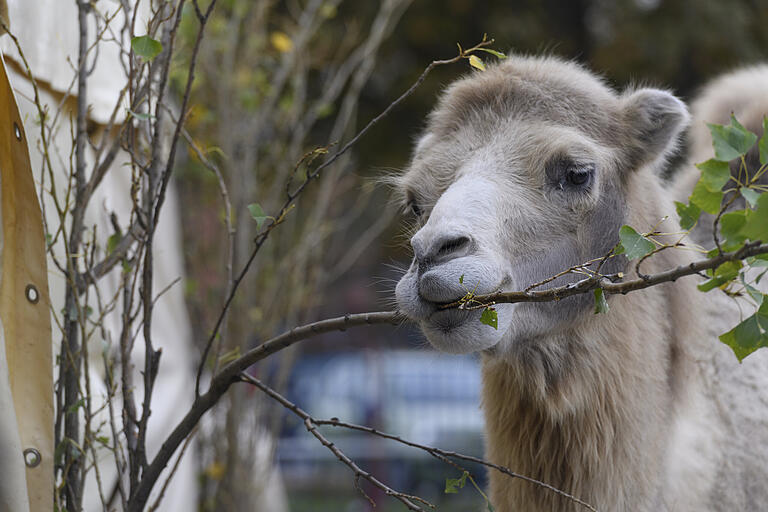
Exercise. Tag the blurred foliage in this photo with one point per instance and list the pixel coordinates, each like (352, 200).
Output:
(671, 43)
(274, 81)
(677, 44)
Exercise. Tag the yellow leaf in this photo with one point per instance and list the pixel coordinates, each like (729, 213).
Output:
(328, 10)
(476, 62)
(281, 42)
(215, 471)
(255, 314)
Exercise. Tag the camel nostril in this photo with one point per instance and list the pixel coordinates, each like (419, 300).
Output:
(441, 250)
(452, 246)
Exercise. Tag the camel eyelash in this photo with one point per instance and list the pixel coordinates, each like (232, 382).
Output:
(413, 208)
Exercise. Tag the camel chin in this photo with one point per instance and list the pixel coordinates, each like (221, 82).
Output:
(461, 332)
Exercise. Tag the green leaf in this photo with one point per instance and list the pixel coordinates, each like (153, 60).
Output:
(112, 242)
(461, 279)
(761, 260)
(476, 62)
(145, 46)
(763, 145)
(731, 141)
(762, 315)
(729, 269)
(141, 116)
(689, 214)
(753, 292)
(74, 407)
(324, 110)
(706, 199)
(59, 452)
(452, 485)
(714, 174)
(489, 317)
(756, 227)
(745, 338)
(731, 224)
(709, 285)
(258, 214)
(723, 274)
(634, 244)
(750, 195)
(493, 52)
(601, 305)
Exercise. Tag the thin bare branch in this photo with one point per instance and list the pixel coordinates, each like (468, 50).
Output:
(311, 426)
(229, 375)
(435, 452)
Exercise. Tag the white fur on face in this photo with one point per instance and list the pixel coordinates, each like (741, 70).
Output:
(466, 209)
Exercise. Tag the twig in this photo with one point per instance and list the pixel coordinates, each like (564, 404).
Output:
(118, 254)
(71, 348)
(175, 467)
(311, 425)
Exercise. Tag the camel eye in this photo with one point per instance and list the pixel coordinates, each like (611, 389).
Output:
(578, 176)
(568, 175)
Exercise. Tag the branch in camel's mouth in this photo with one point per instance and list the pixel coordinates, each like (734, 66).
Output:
(465, 302)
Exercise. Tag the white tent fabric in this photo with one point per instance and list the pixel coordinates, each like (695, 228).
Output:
(47, 30)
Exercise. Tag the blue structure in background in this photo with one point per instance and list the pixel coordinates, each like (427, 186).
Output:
(420, 395)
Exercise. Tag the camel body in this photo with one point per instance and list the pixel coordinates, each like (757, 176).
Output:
(525, 170)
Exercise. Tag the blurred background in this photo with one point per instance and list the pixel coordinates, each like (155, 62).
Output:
(278, 78)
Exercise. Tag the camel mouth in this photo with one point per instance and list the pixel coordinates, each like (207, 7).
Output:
(443, 305)
(446, 320)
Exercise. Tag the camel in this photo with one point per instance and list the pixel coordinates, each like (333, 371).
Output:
(524, 170)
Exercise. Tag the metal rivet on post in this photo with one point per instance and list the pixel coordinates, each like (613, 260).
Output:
(17, 131)
(32, 457)
(32, 294)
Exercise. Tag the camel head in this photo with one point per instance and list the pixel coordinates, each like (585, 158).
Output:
(523, 171)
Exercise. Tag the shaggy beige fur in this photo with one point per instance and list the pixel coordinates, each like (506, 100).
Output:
(639, 409)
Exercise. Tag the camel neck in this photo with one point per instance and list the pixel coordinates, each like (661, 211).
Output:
(583, 409)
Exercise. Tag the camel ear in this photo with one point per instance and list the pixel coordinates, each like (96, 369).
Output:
(654, 120)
